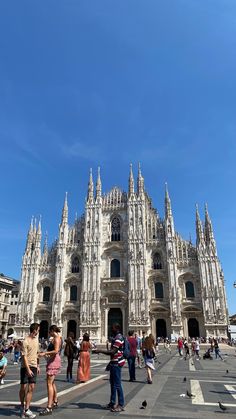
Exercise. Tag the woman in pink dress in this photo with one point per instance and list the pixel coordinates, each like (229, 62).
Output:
(83, 372)
(52, 369)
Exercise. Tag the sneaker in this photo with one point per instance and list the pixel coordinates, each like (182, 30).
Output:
(2, 381)
(29, 414)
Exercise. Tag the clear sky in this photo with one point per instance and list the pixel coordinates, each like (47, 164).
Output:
(88, 83)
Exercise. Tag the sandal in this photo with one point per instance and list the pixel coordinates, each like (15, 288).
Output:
(55, 404)
(117, 409)
(47, 411)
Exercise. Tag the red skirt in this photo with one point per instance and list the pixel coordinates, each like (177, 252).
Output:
(53, 365)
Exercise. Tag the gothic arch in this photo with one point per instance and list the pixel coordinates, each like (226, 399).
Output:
(46, 294)
(115, 268)
(43, 331)
(157, 262)
(161, 329)
(72, 327)
(73, 293)
(159, 290)
(188, 285)
(115, 228)
(189, 289)
(193, 327)
(75, 264)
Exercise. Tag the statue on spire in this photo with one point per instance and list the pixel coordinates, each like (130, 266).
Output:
(90, 196)
(209, 236)
(98, 185)
(131, 181)
(199, 228)
(64, 218)
(140, 182)
(168, 210)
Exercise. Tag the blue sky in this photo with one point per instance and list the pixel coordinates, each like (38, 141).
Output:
(88, 83)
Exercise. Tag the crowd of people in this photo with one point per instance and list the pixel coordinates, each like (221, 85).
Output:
(138, 350)
(184, 346)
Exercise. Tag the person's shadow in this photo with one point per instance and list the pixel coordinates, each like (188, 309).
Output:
(95, 406)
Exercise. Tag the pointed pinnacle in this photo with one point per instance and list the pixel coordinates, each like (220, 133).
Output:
(139, 168)
(39, 224)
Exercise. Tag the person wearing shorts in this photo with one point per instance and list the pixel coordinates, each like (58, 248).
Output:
(3, 367)
(29, 370)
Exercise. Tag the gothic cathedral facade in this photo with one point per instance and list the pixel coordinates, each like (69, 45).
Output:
(121, 262)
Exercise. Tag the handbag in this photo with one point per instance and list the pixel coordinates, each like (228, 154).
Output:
(108, 367)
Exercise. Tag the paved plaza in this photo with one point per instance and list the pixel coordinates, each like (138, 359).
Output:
(206, 379)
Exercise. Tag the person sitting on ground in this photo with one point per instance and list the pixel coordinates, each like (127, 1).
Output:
(207, 354)
(3, 367)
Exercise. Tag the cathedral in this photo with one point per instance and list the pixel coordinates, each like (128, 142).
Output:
(121, 262)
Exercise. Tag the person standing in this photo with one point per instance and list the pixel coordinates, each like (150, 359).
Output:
(217, 350)
(53, 367)
(197, 349)
(139, 344)
(186, 349)
(83, 372)
(180, 346)
(149, 354)
(143, 339)
(167, 345)
(29, 370)
(17, 351)
(3, 367)
(132, 356)
(116, 363)
(70, 351)
(193, 347)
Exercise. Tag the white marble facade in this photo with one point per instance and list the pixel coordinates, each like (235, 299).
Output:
(122, 262)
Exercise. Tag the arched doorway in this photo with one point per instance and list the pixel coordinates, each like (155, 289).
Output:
(114, 316)
(161, 328)
(43, 331)
(193, 328)
(71, 327)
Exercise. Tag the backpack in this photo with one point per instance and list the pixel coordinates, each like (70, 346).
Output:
(126, 349)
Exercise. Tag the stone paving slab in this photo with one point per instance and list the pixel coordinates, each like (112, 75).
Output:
(163, 396)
